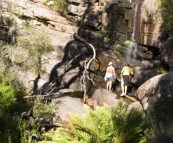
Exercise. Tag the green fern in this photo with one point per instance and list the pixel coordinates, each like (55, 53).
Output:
(129, 125)
(103, 125)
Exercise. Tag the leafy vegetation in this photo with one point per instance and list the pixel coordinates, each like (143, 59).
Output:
(21, 49)
(13, 129)
(34, 44)
(166, 11)
(103, 125)
(11, 95)
(58, 5)
(105, 34)
(41, 110)
(162, 7)
(127, 42)
(159, 69)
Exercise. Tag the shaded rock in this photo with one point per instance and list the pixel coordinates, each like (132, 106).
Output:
(136, 106)
(157, 90)
(141, 75)
(146, 64)
(66, 105)
(156, 97)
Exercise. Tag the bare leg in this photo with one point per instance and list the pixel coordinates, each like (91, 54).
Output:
(122, 86)
(110, 85)
(125, 89)
(107, 85)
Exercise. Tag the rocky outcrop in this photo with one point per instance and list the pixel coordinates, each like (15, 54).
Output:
(102, 96)
(156, 91)
(141, 75)
(65, 106)
(145, 32)
(95, 21)
(156, 96)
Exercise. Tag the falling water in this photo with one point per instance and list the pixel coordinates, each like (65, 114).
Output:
(134, 22)
(132, 48)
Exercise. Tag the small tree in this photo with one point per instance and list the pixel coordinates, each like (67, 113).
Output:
(34, 43)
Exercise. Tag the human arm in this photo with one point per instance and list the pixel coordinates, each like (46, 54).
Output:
(132, 73)
(121, 74)
(114, 74)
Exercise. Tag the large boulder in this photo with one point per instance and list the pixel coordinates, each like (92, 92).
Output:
(157, 90)
(66, 105)
(141, 75)
(156, 97)
(102, 96)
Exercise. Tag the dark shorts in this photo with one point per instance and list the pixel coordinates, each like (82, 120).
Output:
(126, 79)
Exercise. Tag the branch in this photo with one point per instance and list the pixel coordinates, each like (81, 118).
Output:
(87, 64)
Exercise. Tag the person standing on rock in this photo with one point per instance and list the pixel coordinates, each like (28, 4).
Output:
(125, 74)
(110, 76)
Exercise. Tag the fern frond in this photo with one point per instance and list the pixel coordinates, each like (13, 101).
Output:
(104, 125)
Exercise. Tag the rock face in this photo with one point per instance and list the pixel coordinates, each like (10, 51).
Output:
(96, 22)
(156, 96)
(155, 91)
(102, 96)
(141, 75)
(106, 24)
(65, 106)
(145, 32)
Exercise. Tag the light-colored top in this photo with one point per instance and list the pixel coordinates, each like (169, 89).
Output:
(126, 71)
(110, 71)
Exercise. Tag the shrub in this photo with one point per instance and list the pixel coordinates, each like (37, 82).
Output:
(34, 43)
(15, 130)
(103, 125)
(166, 11)
(58, 5)
(41, 110)
(159, 69)
(11, 95)
(127, 42)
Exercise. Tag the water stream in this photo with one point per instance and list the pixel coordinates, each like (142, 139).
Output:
(134, 22)
(132, 48)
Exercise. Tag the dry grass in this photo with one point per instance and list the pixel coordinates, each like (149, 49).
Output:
(150, 7)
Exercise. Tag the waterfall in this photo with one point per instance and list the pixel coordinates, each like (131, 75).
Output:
(134, 22)
(132, 48)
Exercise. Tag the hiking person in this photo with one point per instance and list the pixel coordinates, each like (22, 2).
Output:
(125, 74)
(110, 76)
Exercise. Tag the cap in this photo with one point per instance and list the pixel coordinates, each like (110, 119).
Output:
(110, 63)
